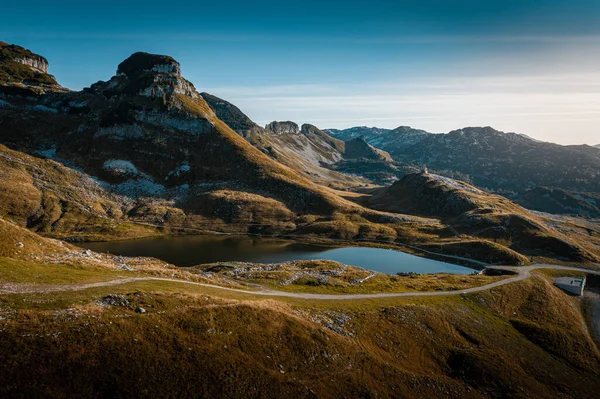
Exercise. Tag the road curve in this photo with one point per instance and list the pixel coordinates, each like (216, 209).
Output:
(523, 272)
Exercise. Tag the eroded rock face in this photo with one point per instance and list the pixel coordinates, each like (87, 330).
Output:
(38, 63)
(153, 75)
(146, 62)
(286, 127)
(19, 66)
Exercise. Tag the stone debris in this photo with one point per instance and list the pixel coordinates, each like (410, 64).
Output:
(335, 321)
(250, 270)
(140, 310)
(20, 244)
(114, 300)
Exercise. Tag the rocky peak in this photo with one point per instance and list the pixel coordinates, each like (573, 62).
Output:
(21, 66)
(151, 75)
(141, 62)
(308, 129)
(286, 127)
(12, 52)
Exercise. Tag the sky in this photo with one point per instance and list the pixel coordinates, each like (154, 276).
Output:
(525, 66)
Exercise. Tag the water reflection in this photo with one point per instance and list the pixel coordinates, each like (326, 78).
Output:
(194, 250)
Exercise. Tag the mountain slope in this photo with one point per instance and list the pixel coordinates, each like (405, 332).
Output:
(147, 137)
(555, 200)
(306, 149)
(152, 119)
(145, 154)
(479, 214)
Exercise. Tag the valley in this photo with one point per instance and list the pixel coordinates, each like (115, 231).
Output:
(156, 242)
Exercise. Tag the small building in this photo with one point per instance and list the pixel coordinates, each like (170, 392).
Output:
(571, 285)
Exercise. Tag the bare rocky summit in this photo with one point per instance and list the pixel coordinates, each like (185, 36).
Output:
(286, 127)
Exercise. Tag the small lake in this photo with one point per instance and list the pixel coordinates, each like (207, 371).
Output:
(195, 250)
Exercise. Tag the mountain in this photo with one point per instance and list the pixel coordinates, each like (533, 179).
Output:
(147, 133)
(145, 154)
(381, 138)
(306, 149)
(494, 159)
(597, 146)
(558, 201)
(469, 210)
(354, 132)
(234, 117)
(358, 148)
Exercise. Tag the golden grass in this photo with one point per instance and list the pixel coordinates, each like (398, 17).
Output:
(32, 272)
(200, 345)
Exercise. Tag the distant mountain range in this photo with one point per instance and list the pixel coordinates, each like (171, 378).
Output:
(492, 159)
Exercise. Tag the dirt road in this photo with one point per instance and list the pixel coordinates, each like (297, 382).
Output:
(523, 273)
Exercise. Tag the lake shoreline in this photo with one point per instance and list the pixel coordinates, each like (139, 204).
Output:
(193, 250)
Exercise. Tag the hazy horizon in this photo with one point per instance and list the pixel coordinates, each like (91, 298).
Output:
(530, 67)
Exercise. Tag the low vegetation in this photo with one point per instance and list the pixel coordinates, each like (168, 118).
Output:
(491, 344)
(328, 277)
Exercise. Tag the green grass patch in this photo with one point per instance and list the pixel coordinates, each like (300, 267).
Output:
(18, 271)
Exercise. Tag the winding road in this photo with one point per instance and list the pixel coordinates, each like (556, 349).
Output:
(523, 272)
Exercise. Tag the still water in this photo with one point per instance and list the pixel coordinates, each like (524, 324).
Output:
(195, 250)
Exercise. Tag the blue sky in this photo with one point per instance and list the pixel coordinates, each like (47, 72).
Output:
(530, 66)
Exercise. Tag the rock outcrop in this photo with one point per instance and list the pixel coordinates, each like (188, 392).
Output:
(152, 75)
(19, 66)
(286, 127)
(38, 63)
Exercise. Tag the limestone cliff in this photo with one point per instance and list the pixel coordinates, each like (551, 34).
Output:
(19, 66)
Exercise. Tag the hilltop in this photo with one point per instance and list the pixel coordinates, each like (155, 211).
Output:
(20, 67)
(471, 211)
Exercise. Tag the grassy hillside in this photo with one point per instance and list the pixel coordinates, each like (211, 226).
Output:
(521, 340)
(476, 213)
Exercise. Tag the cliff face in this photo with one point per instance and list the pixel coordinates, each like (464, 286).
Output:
(12, 52)
(37, 62)
(23, 67)
(152, 75)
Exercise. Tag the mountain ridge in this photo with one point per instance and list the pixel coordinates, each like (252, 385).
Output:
(492, 159)
(149, 139)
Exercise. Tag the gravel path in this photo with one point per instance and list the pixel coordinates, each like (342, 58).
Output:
(523, 272)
